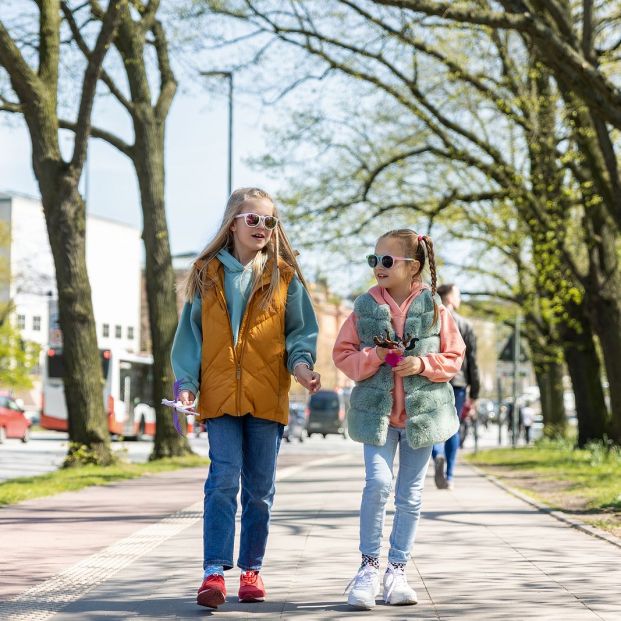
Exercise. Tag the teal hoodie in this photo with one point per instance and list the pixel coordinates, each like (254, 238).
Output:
(301, 327)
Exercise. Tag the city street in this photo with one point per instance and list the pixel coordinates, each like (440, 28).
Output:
(133, 550)
(338, 214)
(47, 449)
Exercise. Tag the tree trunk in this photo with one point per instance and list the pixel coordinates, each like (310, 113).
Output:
(37, 90)
(550, 382)
(603, 285)
(607, 321)
(160, 277)
(585, 371)
(66, 224)
(604, 304)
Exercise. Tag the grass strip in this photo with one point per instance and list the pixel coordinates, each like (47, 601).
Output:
(584, 482)
(72, 479)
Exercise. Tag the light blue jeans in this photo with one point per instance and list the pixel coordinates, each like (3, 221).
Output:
(451, 446)
(378, 462)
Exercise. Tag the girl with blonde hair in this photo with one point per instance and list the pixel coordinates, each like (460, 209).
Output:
(247, 325)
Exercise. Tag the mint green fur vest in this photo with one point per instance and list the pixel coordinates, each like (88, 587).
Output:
(429, 406)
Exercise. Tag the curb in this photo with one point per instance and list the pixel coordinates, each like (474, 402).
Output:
(558, 515)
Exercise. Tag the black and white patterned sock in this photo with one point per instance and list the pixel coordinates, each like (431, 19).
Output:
(400, 566)
(370, 560)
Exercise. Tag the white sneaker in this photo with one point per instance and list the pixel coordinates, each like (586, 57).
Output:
(365, 586)
(397, 591)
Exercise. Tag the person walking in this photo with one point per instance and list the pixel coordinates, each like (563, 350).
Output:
(465, 386)
(247, 325)
(401, 347)
(527, 417)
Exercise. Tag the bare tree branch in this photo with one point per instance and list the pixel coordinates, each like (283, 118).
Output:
(25, 82)
(593, 85)
(91, 77)
(168, 83)
(109, 137)
(81, 43)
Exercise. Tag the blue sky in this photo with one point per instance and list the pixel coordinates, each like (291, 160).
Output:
(196, 169)
(196, 184)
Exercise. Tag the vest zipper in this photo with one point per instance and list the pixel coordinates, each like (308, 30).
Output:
(242, 333)
(241, 338)
(237, 359)
(237, 363)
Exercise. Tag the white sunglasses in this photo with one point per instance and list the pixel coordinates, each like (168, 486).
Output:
(254, 219)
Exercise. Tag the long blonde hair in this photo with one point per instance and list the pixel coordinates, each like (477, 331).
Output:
(277, 248)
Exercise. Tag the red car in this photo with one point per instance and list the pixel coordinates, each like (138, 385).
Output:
(13, 421)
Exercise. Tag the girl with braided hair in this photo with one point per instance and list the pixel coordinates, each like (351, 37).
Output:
(401, 347)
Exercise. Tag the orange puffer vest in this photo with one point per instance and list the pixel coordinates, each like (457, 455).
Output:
(250, 377)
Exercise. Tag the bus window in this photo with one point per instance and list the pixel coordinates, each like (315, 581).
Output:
(140, 377)
(56, 363)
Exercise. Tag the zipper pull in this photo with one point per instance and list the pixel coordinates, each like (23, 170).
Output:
(238, 371)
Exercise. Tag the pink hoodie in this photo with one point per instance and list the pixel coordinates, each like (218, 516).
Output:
(359, 364)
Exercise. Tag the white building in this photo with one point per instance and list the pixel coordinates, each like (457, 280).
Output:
(113, 258)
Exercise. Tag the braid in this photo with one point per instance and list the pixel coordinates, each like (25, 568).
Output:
(432, 269)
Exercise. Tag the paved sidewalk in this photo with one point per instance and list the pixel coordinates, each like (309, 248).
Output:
(481, 554)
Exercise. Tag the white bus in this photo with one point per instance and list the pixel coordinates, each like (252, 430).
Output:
(127, 394)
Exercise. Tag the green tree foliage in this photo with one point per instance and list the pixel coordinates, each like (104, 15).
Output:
(466, 127)
(18, 357)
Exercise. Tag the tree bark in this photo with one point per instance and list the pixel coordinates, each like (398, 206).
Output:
(147, 156)
(584, 369)
(550, 381)
(65, 216)
(601, 197)
(160, 277)
(66, 224)
(603, 290)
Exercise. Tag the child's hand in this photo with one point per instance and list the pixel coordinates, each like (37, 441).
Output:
(187, 397)
(410, 365)
(311, 380)
(381, 352)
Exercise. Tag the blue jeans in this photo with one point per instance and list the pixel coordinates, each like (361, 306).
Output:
(248, 447)
(378, 462)
(450, 447)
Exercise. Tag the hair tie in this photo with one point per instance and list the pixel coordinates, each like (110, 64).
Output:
(420, 237)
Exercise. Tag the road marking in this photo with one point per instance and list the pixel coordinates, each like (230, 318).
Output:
(44, 600)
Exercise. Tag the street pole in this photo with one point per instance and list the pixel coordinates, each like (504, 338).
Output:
(516, 362)
(498, 420)
(229, 76)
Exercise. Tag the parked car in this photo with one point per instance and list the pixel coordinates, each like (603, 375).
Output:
(296, 427)
(326, 414)
(13, 421)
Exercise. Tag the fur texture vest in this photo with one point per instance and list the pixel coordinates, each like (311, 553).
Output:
(429, 406)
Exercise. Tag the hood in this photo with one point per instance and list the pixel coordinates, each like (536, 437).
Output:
(230, 263)
(377, 292)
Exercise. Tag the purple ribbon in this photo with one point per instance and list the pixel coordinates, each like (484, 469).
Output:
(176, 391)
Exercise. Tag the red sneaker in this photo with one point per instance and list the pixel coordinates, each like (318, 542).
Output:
(212, 592)
(251, 588)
